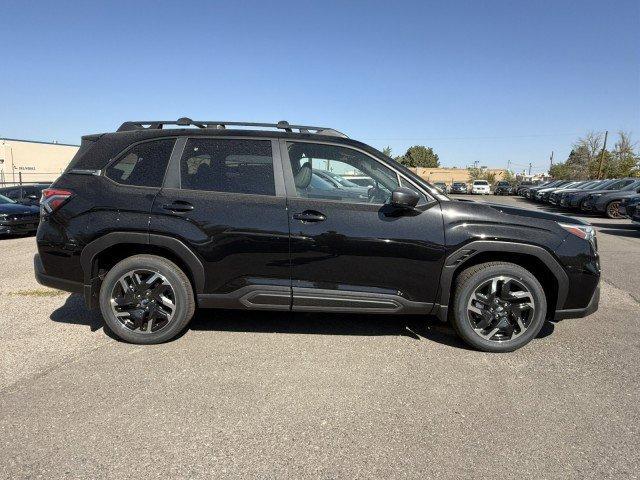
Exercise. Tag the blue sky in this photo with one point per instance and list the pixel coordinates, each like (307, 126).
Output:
(488, 81)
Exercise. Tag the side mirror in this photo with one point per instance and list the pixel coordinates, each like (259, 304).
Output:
(403, 197)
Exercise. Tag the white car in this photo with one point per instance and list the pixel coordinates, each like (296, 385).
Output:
(480, 187)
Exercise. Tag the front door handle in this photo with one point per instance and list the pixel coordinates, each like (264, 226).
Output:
(309, 216)
(178, 206)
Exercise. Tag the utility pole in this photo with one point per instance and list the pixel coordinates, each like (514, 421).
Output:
(604, 147)
(508, 164)
(529, 168)
(551, 161)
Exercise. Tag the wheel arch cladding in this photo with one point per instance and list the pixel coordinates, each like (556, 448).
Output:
(537, 260)
(116, 246)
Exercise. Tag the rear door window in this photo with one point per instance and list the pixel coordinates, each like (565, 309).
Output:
(142, 165)
(228, 165)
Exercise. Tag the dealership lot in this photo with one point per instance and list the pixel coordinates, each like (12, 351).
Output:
(250, 394)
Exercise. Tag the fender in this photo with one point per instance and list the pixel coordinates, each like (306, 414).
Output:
(177, 247)
(471, 249)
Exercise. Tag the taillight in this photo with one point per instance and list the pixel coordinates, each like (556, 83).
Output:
(54, 198)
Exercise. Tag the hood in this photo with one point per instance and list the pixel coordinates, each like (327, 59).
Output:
(589, 192)
(571, 190)
(526, 213)
(17, 208)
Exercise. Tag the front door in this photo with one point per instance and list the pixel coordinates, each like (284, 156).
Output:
(224, 198)
(350, 250)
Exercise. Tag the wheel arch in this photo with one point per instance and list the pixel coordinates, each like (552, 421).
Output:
(105, 251)
(541, 263)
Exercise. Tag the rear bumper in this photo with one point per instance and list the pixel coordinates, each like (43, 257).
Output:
(580, 312)
(53, 282)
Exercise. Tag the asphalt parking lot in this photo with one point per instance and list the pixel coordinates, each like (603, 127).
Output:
(273, 395)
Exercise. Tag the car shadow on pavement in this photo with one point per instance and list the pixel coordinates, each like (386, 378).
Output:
(74, 311)
(415, 327)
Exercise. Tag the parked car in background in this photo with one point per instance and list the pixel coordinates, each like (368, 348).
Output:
(502, 188)
(531, 191)
(542, 193)
(563, 196)
(523, 186)
(225, 218)
(341, 183)
(441, 186)
(554, 197)
(480, 187)
(17, 218)
(546, 196)
(24, 194)
(608, 203)
(360, 180)
(459, 187)
(576, 200)
(629, 205)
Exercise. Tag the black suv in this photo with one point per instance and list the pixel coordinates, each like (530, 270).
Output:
(151, 222)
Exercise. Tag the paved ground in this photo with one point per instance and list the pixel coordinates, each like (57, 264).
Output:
(245, 395)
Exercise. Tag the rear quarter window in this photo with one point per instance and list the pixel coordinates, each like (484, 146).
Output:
(142, 165)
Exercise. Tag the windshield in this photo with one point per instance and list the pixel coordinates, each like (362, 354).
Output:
(4, 200)
(480, 182)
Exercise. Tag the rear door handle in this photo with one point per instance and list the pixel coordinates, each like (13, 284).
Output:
(178, 206)
(309, 216)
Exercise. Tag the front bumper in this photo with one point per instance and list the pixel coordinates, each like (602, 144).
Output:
(581, 312)
(18, 227)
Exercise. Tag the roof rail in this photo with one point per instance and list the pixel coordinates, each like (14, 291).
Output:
(221, 125)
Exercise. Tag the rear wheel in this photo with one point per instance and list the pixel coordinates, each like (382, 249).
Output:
(146, 299)
(613, 209)
(498, 306)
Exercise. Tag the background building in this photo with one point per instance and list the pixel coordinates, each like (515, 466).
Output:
(450, 175)
(25, 161)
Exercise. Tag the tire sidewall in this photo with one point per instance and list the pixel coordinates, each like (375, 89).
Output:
(463, 325)
(181, 291)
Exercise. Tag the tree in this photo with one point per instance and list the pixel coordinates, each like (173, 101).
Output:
(585, 157)
(386, 151)
(420, 156)
(509, 176)
(481, 174)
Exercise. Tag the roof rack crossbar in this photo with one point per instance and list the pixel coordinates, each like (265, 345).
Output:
(222, 124)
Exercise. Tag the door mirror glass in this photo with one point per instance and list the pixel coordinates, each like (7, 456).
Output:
(403, 197)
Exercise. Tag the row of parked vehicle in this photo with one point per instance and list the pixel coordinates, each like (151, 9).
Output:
(477, 187)
(20, 208)
(614, 198)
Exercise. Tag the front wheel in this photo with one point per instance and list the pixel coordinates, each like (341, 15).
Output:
(146, 299)
(498, 306)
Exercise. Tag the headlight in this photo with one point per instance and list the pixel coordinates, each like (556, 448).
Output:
(586, 232)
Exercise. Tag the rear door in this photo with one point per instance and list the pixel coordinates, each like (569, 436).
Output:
(123, 197)
(225, 199)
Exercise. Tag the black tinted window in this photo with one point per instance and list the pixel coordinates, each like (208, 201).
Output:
(225, 165)
(143, 164)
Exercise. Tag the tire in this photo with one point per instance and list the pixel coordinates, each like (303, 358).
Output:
(613, 209)
(474, 278)
(171, 286)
